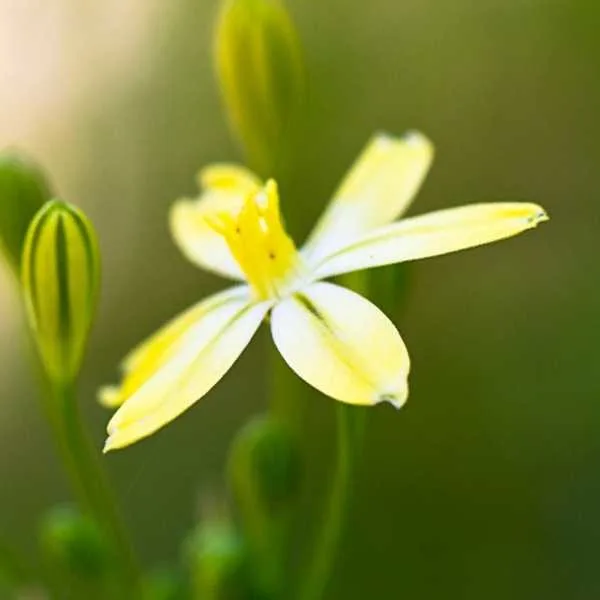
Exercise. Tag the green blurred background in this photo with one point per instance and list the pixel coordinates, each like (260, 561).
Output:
(487, 484)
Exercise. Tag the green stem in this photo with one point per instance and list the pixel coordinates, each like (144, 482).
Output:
(350, 424)
(286, 404)
(350, 429)
(88, 478)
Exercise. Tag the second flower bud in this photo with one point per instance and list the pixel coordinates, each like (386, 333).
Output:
(60, 276)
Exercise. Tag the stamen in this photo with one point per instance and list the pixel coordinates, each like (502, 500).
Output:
(258, 241)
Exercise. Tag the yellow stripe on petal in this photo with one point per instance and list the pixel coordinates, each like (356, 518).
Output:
(224, 190)
(378, 189)
(433, 234)
(166, 380)
(343, 345)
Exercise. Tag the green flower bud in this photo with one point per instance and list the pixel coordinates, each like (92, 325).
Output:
(164, 584)
(77, 555)
(76, 542)
(60, 276)
(265, 459)
(216, 557)
(23, 191)
(264, 473)
(261, 73)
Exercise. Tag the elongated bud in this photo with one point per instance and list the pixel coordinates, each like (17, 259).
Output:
(23, 191)
(261, 74)
(60, 275)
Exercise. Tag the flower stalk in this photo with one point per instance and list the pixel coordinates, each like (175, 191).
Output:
(60, 280)
(87, 477)
(350, 426)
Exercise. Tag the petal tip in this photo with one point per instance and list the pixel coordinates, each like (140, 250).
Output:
(539, 216)
(108, 445)
(417, 139)
(396, 399)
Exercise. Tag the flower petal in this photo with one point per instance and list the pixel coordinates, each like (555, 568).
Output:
(144, 360)
(182, 363)
(433, 234)
(379, 187)
(224, 189)
(343, 345)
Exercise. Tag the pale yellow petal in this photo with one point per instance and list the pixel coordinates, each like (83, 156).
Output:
(343, 345)
(378, 189)
(188, 369)
(224, 189)
(143, 361)
(433, 234)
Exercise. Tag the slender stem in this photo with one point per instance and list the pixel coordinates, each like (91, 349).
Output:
(350, 429)
(286, 404)
(88, 478)
(350, 423)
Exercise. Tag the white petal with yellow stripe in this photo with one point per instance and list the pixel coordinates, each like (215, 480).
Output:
(433, 234)
(343, 345)
(179, 365)
(378, 189)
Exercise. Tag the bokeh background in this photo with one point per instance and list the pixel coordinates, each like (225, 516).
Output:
(487, 484)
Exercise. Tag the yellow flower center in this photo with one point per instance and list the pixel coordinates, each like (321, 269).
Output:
(256, 237)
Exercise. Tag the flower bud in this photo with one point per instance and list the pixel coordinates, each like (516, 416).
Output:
(217, 559)
(60, 275)
(265, 458)
(76, 553)
(23, 191)
(164, 584)
(264, 474)
(261, 74)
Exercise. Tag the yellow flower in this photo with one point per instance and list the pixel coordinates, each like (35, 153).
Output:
(333, 338)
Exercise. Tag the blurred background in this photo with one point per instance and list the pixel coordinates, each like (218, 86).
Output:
(487, 484)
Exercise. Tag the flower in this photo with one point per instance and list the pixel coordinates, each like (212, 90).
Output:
(333, 338)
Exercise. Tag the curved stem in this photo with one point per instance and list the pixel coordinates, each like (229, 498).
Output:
(88, 478)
